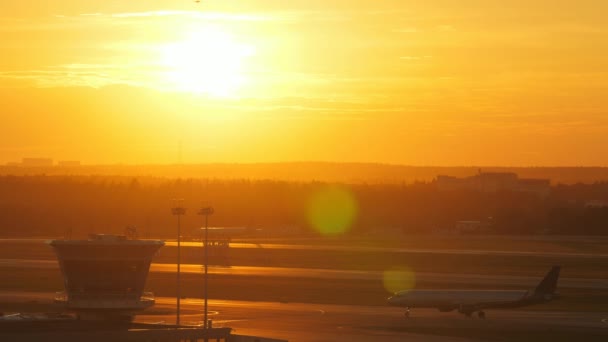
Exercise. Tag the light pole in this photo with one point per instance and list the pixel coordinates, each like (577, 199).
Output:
(206, 211)
(178, 210)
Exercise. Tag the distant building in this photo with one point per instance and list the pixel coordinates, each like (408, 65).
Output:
(493, 182)
(68, 163)
(37, 162)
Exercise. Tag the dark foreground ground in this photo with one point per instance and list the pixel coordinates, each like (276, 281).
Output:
(327, 322)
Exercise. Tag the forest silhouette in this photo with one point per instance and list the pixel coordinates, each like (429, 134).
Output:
(49, 206)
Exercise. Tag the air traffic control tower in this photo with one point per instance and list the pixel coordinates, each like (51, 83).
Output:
(104, 276)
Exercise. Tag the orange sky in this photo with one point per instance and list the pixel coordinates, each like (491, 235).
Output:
(477, 82)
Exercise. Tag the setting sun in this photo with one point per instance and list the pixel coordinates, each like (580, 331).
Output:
(207, 61)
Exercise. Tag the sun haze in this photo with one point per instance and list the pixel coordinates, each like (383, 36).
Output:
(484, 82)
(207, 61)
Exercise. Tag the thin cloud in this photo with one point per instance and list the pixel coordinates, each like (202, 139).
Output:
(446, 28)
(407, 30)
(82, 75)
(414, 58)
(212, 16)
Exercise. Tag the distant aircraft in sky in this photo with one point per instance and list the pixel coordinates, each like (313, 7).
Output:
(468, 302)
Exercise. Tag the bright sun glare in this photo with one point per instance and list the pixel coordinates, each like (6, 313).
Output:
(208, 61)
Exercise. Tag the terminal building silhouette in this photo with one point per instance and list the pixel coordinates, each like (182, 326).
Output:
(494, 182)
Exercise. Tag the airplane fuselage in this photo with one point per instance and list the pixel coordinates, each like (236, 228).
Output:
(469, 301)
(447, 300)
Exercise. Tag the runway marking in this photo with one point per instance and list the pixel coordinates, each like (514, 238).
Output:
(210, 313)
(605, 320)
(216, 323)
(229, 321)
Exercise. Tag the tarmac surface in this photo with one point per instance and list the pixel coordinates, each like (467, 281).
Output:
(321, 322)
(348, 248)
(456, 278)
(351, 248)
(328, 322)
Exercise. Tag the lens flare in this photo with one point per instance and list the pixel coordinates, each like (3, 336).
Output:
(399, 279)
(332, 211)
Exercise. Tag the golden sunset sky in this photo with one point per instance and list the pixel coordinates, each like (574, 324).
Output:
(452, 82)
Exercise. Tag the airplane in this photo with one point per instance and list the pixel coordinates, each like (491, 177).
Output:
(468, 302)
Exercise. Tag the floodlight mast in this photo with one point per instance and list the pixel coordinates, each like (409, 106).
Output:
(178, 210)
(206, 211)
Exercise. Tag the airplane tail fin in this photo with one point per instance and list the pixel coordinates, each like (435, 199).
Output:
(549, 282)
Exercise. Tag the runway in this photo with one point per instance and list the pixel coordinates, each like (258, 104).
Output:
(302, 322)
(298, 321)
(346, 248)
(351, 248)
(328, 274)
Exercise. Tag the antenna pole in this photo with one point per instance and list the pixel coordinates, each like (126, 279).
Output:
(206, 211)
(178, 211)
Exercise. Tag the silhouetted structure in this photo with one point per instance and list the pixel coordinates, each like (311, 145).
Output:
(493, 182)
(105, 275)
(37, 162)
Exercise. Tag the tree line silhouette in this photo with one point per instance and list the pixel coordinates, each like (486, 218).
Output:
(352, 173)
(50, 206)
